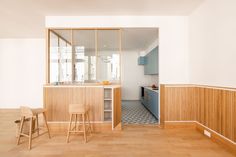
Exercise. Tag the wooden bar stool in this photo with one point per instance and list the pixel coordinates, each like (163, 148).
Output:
(32, 114)
(78, 110)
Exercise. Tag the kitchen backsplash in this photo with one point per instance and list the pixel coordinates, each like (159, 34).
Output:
(152, 79)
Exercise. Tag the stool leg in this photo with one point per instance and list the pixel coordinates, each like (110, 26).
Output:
(84, 128)
(20, 129)
(75, 121)
(45, 121)
(79, 118)
(37, 123)
(89, 125)
(69, 128)
(30, 132)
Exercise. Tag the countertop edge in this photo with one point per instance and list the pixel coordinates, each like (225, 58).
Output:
(81, 86)
(150, 88)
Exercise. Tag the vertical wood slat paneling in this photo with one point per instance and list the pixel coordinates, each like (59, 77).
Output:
(57, 100)
(199, 102)
(234, 115)
(162, 105)
(94, 99)
(212, 107)
(227, 114)
(179, 104)
(116, 107)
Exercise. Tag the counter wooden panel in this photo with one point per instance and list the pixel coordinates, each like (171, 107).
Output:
(57, 100)
(117, 107)
(94, 99)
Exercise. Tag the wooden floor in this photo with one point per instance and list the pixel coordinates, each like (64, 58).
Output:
(132, 141)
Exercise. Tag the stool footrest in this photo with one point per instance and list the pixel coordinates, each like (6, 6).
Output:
(25, 135)
(76, 131)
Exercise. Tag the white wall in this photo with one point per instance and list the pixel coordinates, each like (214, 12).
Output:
(132, 76)
(212, 32)
(22, 61)
(22, 72)
(173, 38)
(154, 44)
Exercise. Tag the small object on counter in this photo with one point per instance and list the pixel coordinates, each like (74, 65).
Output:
(154, 86)
(106, 83)
(55, 83)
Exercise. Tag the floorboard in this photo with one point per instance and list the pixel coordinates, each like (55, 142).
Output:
(133, 141)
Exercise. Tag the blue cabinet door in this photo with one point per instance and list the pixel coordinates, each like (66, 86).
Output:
(145, 100)
(151, 66)
(142, 60)
(150, 101)
(154, 104)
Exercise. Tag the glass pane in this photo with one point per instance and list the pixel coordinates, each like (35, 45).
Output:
(54, 56)
(108, 55)
(65, 61)
(60, 56)
(85, 56)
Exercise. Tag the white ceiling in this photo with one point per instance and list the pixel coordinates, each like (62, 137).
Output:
(132, 38)
(26, 18)
(138, 38)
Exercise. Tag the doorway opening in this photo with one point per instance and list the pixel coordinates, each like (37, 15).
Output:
(140, 76)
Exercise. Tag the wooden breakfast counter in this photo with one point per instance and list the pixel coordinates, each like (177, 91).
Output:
(104, 102)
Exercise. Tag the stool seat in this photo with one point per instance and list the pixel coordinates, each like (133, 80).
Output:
(78, 108)
(77, 111)
(27, 112)
(38, 111)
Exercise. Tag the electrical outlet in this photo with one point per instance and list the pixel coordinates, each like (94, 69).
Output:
(207, 133)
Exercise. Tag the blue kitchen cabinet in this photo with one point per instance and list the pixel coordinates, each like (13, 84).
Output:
(142, 60)
(150, 101)
(146, 98)
(151, 65)
(154, 103)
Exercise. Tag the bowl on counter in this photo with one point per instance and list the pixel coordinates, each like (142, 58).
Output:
(106, 82)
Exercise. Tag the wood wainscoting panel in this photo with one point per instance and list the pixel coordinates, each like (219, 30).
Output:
(199, 102)
(94, 99)
(208, 107)
(188, 107)
(234, 115)
(172, 104)
(218, 111)
(162, 105)
(227, 117)
(213, 107)
(180, 104)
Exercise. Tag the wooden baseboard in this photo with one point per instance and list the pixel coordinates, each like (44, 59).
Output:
(217, 138)
(228, 144)
(61, 128)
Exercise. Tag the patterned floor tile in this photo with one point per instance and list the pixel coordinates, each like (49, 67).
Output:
(133, 112)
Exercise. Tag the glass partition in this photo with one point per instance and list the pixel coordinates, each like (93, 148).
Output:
(108, 55)
(54, 58)
(84, 55)
(60, 56)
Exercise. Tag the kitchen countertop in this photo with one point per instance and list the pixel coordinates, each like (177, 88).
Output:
(150, 88)
(83, 85)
